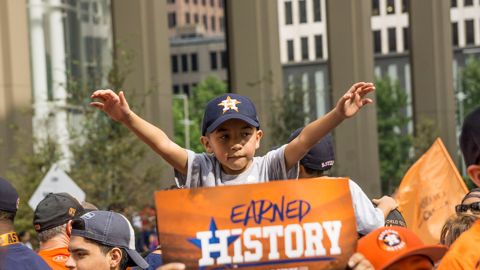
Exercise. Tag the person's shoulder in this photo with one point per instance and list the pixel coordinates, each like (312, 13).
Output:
(24, 258)
(463, 253)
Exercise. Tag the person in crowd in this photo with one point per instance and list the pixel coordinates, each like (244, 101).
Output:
(52, 221)
(230, 135)
(103, 240)
(398, 248)
(455, 226)
(470, 203)
(88, 206)
(13, 254)
(319, 160)
(463, 254)
(25, 238)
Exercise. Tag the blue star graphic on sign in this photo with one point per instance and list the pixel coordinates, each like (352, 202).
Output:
(213, 240)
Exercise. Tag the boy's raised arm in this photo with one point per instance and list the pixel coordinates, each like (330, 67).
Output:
(117, 108)
(348, 105)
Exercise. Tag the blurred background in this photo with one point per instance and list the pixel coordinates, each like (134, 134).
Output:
(293, 58)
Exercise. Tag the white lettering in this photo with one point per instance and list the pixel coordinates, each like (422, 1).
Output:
(289, 250)
(333, 232)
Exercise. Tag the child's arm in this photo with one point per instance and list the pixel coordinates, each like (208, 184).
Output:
(386, 204)
(117, 108)
(346, 107)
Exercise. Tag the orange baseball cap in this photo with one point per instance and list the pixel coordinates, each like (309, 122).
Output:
(387, 245)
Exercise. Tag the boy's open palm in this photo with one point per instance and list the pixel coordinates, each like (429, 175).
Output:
(350, 103)
(114, 105)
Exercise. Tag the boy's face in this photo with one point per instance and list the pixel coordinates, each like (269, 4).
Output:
(86, 255)
(233, 143)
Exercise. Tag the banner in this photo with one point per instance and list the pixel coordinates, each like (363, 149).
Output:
(429, 192)
(299, 224)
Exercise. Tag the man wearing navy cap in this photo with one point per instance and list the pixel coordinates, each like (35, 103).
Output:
(319, 160)
(13, 254)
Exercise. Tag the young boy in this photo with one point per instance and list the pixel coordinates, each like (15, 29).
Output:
(231, 134)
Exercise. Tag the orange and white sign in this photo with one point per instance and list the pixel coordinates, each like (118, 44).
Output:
(303, 224)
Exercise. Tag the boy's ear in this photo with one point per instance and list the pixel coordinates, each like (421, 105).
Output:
(259, 135)
(115, 257)
(474, 173)
(206, 144)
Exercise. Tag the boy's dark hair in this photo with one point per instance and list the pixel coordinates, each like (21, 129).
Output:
(105, 249)
(7, 216)
(313, 172)
(454, 227)
(470, 138)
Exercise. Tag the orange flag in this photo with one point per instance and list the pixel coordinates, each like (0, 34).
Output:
(429, 192)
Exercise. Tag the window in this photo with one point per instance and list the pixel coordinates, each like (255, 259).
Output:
(375, 7)
(453, 3)
(187, 18)
(205, 22)
(195, 18)
(224, 59)
(304, 44)
(171, 1)
(318, 47)
(467, 3)
(302, 9)
(204, 2)
(174, 60)
(194, 61)
(288, 13)
(186, 89)
(172, 20)
(390, 6)
(221, 23)
(392, 40)
(184, 62)
(455, 34)
(213, 60)
(405, 6)
(317, 11)
(176, 89)
(406, 39)
(213, 23)
(377, 41)
(186, 1)
(195, 2)
(212, 3)
(220, 3)
(290, 54)
(469, 30)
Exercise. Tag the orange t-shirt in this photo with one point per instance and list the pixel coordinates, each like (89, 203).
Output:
(463, 254)
(55, 258)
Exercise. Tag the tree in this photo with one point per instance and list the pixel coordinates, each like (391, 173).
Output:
(206, 90)
(287, 114)
(394, 142)
(470, 83)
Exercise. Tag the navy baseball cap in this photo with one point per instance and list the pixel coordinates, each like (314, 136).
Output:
(110, 229)
(9, 199)
(470, 138)
(226, 107)
(321, 156)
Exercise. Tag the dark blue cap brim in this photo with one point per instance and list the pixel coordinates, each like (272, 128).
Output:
(229, 116)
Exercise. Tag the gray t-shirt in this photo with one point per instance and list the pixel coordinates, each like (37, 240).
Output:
(204, 170)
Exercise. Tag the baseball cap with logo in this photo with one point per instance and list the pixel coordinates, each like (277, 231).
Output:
(8, 197)
(54, 210)
(110, 229)
(470, 138)
(321, 156)
(226, 107)
(387, 245)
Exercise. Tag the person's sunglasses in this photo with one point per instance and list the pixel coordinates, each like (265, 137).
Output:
(462, 208)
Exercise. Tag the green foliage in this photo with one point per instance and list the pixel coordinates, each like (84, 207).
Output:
(108, 159)
(394, 144)
(206, 90)
(287, 114)
(426, 131)
(26, 171)
(470, 83)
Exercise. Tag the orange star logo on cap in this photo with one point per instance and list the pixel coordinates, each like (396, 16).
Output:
(229, 104)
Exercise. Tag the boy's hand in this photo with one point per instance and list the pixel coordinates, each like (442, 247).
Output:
(114, 105)
(354, 99)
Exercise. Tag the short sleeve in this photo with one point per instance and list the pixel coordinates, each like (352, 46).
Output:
(198, 168)
(275, 162)
(368, 217)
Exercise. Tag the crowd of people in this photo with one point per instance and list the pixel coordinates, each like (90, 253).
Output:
(76, 235)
